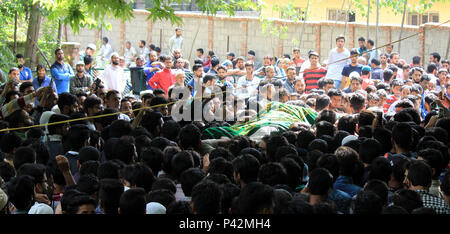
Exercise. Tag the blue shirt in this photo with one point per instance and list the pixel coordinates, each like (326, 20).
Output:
(345, 183)
(46, 82)
(341, 199)
(61, 74)
(349, 69)
(26, 74)
(377, 74)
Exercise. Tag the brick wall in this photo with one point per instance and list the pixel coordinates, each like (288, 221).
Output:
(240, 34)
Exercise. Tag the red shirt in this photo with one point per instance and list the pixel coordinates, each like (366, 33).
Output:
(366, 81)
(312, 76)
(162, 80)
(298, 62)
(389, 102)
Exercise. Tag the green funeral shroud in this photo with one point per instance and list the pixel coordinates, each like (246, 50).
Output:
(277, 114)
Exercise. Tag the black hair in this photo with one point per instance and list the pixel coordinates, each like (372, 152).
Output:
(325, 128)
(357, 102)
(221, 166)
(331, 163)
(23, 155)
(254, 198)
(153, 158)
(367, 202)
(109, 195)
(369, 150)
(77, 136)
(89, 167)
(322, 101)
(20, 191)
(311, 158)
(419, 173)
(319, 145)
(201, 50)
(9, 142)
(66, 99)
(119, 128)
(36, 171)
(180, 162)
(247, 166)
(407, 199)
(24, 86)
(108, 169)
(320, 182)
(326, 115)
(379, 187)
(294, 171)
(88, 59)
(139, 175)
(221, 152)
(88, 184)
(6, 171)
(402, 135)
(347, 159)
(272, 174)
(273, 144)
(133, 201)
(88, 153)
(179, 207)
(347, 123)
(189, 178)
(434, 159)
(170, 130)
(124, 151)
(206, 198)
(298, 206)
(164, 184)
(190, 136)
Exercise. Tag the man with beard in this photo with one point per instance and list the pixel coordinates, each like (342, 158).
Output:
(67, 104)
(92, 106)
(25, 72)
(61, 72)
(152, 67)
(80, 82)
(114, 76)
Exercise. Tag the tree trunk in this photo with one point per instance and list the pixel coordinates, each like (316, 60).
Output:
(15, 32)
(376, 34)
(346, 17)
(34, 25)
(332, 29)
(401, 27)
(60, 33)
(304, 22)
(368, 14)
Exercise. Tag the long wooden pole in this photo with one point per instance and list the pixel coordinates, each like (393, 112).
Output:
(376, 35)
(401, 28)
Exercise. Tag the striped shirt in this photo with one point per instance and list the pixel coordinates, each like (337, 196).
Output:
(312, 76)
(389, 102)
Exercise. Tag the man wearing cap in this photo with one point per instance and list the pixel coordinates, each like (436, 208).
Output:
(80, 82)
(90, 50)
(114, 76)
(365, 76)
(252, 58)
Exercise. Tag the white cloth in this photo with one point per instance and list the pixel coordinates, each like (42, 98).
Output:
(175, 43)
(246, 88)
(334, 68)
(155, 208)
(129, 54)
(40, 208)
(114, 78)
(105, 53)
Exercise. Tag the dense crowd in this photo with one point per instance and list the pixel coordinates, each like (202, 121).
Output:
(126, 140)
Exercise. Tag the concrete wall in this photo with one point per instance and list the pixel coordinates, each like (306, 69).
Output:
(240, 34)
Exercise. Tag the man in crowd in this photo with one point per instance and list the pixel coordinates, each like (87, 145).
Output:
(61, 72)
(176, 41)
(80, 82)
(129, 54)
(337, 59)
(114, 76)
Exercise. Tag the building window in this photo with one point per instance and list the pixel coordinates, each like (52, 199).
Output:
(299, 14)
(340, 15)
(418, 19)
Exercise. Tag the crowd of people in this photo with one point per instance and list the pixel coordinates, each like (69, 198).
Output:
(84, 141)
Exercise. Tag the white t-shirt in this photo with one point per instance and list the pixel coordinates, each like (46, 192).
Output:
(114, 78)
(334, 69)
